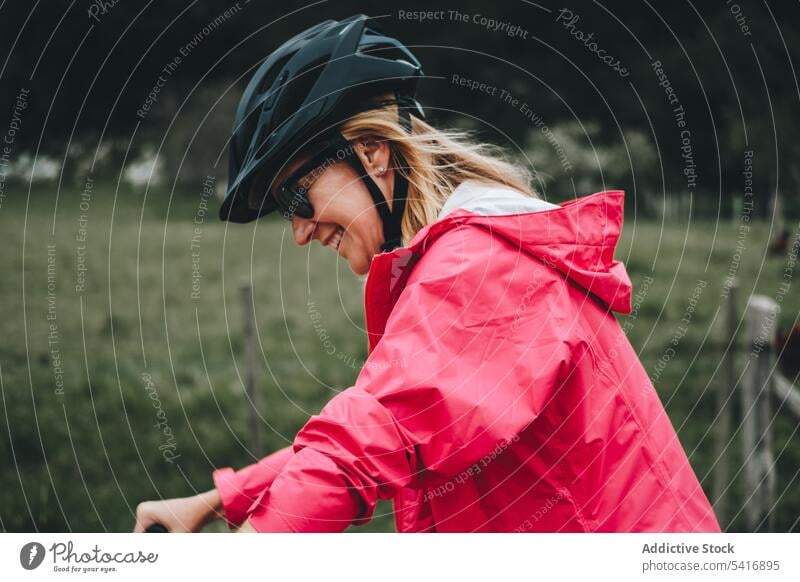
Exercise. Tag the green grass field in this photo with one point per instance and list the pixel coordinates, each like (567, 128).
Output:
(120, 354)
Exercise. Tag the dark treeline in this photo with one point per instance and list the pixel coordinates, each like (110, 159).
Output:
(703, 82)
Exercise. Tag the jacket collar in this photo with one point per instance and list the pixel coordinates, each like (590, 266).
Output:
(576, 238)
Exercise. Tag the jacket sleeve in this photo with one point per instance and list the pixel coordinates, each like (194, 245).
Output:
(458, 371)
(237, 490)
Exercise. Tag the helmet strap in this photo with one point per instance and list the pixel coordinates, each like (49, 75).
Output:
(391, 219)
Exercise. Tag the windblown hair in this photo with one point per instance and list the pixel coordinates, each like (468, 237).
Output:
(436, 162)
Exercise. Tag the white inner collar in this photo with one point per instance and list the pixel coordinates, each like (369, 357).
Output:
(489, 200)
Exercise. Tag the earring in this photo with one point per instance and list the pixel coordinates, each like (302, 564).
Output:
(381, 169)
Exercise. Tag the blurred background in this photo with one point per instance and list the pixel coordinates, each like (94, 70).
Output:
(124, 302)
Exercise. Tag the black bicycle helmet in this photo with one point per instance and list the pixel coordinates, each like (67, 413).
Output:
(308, 86)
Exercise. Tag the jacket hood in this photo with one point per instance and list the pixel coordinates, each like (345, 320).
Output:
(577, 237)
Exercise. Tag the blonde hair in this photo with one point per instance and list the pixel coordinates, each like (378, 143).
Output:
(436, 162)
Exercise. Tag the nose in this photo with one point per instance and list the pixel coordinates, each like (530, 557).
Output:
(303, 230)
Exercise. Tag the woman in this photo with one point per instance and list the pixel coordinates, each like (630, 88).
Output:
(500, 394)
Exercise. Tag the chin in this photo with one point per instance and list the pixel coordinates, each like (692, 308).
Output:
(358, 258)
(359, 262)
(359, 267)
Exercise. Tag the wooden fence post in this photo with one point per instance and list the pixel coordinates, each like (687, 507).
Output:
(249, 347)
(759, 473)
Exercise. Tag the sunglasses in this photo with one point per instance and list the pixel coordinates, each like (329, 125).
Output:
(292, 195)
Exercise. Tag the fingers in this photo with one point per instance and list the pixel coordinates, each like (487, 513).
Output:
(143, 520)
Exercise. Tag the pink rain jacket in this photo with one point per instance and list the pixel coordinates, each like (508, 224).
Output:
(500, 394)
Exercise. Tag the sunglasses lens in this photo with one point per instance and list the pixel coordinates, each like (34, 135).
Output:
(293, 203)
(292, 198)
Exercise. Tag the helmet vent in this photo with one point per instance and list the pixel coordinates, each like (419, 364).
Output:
(269, 78)
(298, 89)
(385, 51)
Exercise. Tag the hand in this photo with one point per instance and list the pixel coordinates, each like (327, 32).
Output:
(180, 515)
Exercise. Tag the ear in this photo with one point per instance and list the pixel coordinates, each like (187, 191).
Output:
(375, 155)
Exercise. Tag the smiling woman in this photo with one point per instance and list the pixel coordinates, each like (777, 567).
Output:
(500, 393)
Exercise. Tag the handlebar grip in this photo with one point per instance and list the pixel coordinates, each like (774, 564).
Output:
(156, 528)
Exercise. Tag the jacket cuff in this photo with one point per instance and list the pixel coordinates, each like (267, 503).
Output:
(234, 504)
(267, 521)
(238, 489)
